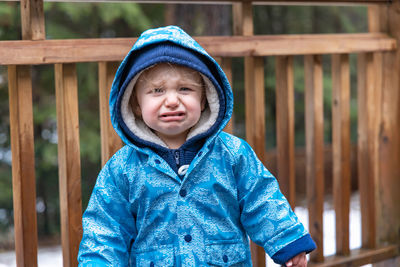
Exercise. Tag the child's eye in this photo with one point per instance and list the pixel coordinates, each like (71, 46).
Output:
(185, 89)
(157, 90)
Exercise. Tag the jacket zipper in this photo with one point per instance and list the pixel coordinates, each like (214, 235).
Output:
(177, 157)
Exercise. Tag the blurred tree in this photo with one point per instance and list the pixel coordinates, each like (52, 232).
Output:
(200, 19)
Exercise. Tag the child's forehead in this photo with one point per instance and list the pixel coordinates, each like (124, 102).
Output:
(166, 70)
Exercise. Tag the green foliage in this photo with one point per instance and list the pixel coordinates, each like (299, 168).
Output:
(10, 22)
(85, 20)
(309, 19)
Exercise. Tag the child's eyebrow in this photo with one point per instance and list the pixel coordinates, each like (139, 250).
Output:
(190, 81)
(193, 83)
(156, 83)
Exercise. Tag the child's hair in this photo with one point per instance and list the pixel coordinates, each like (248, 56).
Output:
(133, 102)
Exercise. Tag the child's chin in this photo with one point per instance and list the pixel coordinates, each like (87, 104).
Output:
(174, 132)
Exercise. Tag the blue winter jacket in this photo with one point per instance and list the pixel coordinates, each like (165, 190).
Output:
(143, 213)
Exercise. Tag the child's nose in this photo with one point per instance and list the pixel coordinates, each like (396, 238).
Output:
(172, 99)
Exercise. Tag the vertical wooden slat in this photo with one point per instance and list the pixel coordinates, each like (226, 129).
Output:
(370, 74)
(32, 20)
(285, 126)
(245, 14)
(367, 153)
(226, 65)
(254, 90)
(22, 140)
(23, 164)
(254, 101)
(69, 161)
(237, 18)
(169, 14)
(341, 149)
(110, 141)
(254, 104)
(315, 150)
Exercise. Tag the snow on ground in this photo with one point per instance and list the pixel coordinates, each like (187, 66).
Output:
(51, 256)
(47, 257)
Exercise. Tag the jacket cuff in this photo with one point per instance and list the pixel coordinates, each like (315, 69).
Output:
(303, 244)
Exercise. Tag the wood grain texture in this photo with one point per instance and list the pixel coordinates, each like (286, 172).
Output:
(237, 20)
(23, 164)
(69, 161)
(110, 141)
(115, 49)
(32, 20)
(254, 108)
(367, 145)
(341, 150)
(22, 141)
(388, 184)
(314, 120)
(285, 127)
(226, 65)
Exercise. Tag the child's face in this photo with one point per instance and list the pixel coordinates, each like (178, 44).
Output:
(170, 100)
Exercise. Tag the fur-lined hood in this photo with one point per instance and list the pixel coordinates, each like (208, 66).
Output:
(218, 90)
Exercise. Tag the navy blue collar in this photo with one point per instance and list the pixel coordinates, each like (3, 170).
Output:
(181, 156)
(174, 157)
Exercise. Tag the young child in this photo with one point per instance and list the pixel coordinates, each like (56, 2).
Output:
(182, 192)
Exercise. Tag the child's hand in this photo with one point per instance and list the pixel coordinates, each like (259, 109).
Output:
(298, 261)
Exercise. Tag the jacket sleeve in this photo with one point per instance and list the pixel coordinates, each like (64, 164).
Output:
(108, 223)
(265, 213)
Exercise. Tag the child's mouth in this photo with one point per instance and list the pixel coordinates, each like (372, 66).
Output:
(172, 116)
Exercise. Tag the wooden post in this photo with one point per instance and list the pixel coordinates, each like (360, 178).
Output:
(110, 141)
(341, 149)
(285, 127)
(23, 164)
(254, 91)
(32, 20)
(315, 150)
(226, 65)
(169, 14)
(387, 19)
(368, 154)
(69, 161)
(22, 140)
(254, 102)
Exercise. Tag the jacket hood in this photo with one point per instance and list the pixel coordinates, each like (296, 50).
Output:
(168, 44)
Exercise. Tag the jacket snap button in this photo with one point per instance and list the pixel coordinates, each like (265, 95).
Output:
(151, 264)
(225, 258)
(183, 193)
(188, 238)
(157, 161)
(200, 153)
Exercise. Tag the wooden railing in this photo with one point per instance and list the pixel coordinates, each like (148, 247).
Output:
(378, 137)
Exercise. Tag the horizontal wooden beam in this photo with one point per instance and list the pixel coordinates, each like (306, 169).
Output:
(301, 44)
(255, 2)
(96, 50)
(360, 257)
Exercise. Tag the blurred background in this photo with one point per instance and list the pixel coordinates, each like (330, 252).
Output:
(109, 20)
